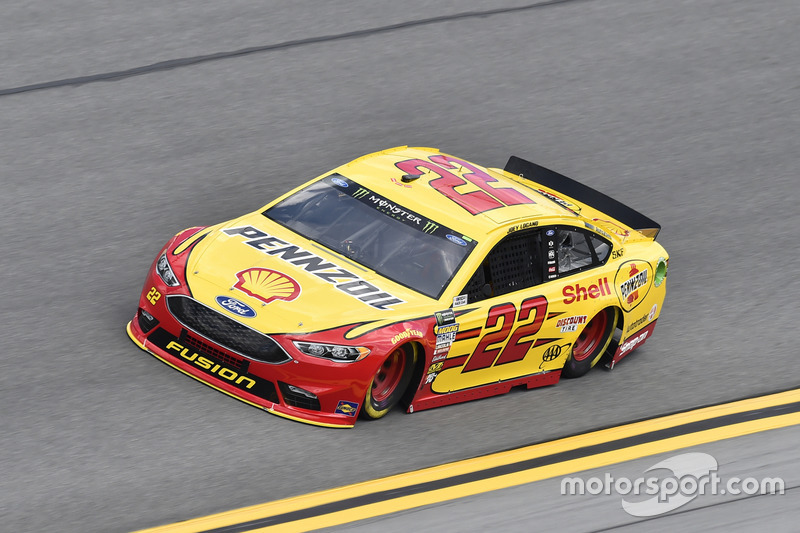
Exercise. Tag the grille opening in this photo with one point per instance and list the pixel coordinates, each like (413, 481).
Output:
(224, 331)
(196, 343)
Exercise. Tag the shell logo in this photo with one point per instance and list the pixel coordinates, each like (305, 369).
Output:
(267, 285)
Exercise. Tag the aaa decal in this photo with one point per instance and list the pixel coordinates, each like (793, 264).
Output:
(267, 285)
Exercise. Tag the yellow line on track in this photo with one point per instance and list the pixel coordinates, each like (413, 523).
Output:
(308, 501)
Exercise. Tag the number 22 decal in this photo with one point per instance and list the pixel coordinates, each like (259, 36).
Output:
(476, 202)
(516, 348)
(153, 296)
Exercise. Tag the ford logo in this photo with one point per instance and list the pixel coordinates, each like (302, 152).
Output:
(340, 182)
(457, 240)
(235, 306)
(550, 233)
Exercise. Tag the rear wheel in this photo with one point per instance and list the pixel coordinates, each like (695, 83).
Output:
(591, 343)
(390, 382)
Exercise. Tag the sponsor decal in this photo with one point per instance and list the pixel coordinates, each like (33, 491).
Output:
(570, 323)
(636, 280)
(552, 276)
(551, 269)
(632, 283)
(653, 311)
(601, 231)
(346, 408)
(430, 377)
(445, 335)
(560, 201)
(407, 334)
(339, 182)
(389, 208)
(550, 232)
(577, 292)
(267, 285)
(430, 227)
(613, 227)
(636, 324)
(342, 279)
(445, 317)
(440, 354)
(235, 306)
(400, 184)
(460, 300)
(616, 254)
(551, 254)
(522, 226)
(457, 240)
(630, 344)
(552, 353)
(435, 367)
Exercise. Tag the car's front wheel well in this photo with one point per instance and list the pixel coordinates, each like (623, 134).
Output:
(417, 376)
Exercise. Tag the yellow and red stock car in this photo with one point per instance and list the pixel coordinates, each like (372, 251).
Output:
(408, 276)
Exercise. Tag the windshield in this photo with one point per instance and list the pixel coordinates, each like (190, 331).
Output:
(390, 239)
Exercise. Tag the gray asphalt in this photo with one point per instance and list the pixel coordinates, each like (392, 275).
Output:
(688, 111)
(550, 506)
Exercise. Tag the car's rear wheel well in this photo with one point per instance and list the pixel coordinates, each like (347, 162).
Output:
(616, 335)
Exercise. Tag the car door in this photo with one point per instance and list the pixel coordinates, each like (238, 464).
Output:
(515, 322)
(498, 326)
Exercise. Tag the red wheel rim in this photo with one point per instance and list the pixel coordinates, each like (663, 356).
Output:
(388, 376)
(590, 337)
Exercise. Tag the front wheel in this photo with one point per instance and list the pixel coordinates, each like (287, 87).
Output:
(591, 343)
(389, 382)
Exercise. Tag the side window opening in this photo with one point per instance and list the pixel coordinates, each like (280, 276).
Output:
(579, 250)
(514, 264)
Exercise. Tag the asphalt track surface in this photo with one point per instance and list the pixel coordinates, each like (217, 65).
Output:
(688, 111)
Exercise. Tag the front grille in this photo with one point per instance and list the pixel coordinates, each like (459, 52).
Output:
(224, 331)
(296, 399)
(196, 343)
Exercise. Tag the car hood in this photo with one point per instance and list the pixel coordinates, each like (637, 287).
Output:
(274, 280)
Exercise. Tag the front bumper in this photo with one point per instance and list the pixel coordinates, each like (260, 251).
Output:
(219, 371)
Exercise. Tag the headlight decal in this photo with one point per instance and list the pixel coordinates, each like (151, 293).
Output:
(334, 352)
(164, 270)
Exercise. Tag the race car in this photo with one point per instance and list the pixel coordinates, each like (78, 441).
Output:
(409, 277)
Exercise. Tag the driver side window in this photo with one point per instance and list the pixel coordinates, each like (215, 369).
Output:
(514, 264)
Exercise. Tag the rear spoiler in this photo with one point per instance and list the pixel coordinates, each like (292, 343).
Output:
(580, 192)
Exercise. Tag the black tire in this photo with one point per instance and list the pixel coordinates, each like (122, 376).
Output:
(591, 343)
(389, 382)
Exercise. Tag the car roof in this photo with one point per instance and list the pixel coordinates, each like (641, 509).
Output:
(380, 172)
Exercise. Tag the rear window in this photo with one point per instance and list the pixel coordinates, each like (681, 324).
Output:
(394, 241)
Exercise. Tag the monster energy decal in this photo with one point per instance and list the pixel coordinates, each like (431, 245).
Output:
(389, 208)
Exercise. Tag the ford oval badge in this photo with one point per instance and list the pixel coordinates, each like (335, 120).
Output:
(457, 240)
(340, 182)
(235, 306)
